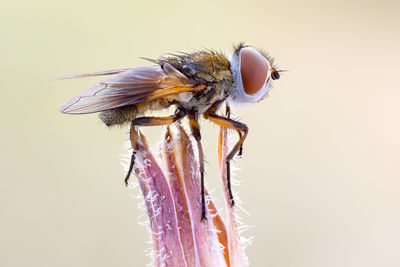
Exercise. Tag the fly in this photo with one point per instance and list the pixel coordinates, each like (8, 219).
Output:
(195, 83)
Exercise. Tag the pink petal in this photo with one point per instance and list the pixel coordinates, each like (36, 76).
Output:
(184, 178)
(160, 207)
(220, 226)
(235, 248)
(181, 206)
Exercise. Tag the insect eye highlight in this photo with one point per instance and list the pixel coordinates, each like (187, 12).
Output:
(253, 69)
(275, 75)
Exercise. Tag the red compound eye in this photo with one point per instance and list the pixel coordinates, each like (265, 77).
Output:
(254, 70)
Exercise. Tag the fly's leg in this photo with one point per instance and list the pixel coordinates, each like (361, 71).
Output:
(230, 124)
(195, 129)
(241, 145)
(148, 121)
(228, 115)
(126, 180)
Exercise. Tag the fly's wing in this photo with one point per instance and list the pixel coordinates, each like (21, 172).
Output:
(101, 73)
(129, 87)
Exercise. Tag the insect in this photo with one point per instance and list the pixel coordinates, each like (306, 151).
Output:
(195, 83)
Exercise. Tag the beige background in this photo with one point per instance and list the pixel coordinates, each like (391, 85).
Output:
(321, 167)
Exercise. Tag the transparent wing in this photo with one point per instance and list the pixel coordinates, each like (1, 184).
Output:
(100, 73)
(129, 87)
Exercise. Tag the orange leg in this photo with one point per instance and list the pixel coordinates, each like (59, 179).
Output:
(228, 115)
(148, 121)
(230, 124)
(195, 129)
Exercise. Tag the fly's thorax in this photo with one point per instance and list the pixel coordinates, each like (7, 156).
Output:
(207, 67)
(202, 66)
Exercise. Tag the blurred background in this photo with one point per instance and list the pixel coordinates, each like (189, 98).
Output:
(321, 167)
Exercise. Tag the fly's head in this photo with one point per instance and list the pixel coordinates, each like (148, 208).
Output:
(252, 72)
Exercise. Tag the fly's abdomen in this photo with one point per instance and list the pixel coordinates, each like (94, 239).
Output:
(119, 115)
(127, 114)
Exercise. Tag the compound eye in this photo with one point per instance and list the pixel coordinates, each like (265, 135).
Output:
(253, 69)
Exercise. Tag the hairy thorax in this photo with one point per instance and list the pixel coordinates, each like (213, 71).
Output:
(207, 67)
